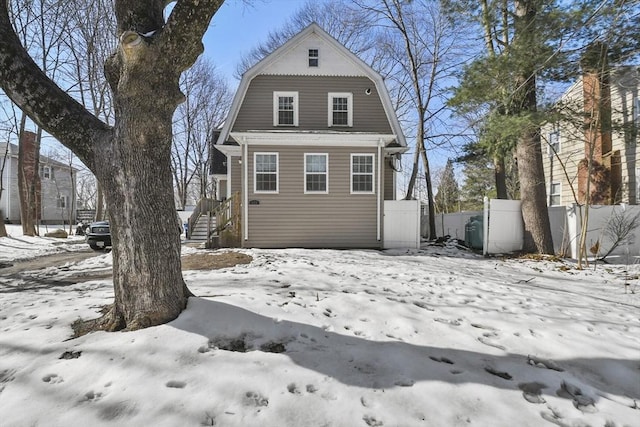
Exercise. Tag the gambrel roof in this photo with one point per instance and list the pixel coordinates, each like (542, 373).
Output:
(336, 60)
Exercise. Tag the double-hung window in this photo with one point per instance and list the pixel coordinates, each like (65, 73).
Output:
(313, 57)
(554, 194)
(316, 173)
(340, 109)
(554, 143)
(61, 202)
(285, 108)
(362, 173)
(265, 177)
(46, 172)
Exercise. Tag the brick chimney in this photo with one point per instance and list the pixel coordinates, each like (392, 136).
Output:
(603, 186)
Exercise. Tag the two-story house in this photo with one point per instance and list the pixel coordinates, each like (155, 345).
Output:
(55, 191)
(615, 173)
(311, 144)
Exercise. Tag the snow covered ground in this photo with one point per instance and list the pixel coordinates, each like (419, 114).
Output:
(437, 337)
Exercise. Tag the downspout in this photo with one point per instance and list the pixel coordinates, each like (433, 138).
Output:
(9, 186)
(245, 190)
(379, 201)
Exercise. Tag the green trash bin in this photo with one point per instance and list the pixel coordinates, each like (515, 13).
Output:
(474, 231)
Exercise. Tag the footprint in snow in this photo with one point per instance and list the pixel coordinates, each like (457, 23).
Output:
(532, 392)
(543, 363)
(441, 360)
(581, 401)
(175, 384)
(92, 396)
(371, 421)
(252, 398)
(454, 322)
(52, 379)
(293, 389)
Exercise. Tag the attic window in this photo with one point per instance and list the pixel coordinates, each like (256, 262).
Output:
(313, 57)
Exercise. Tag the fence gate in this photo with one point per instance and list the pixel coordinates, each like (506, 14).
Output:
(401, 224)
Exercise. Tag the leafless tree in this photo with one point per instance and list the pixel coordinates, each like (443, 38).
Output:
(424, 52)
(131, 159)
(207, 101)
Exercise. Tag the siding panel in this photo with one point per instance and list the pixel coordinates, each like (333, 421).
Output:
(291, 218)
(256, 112)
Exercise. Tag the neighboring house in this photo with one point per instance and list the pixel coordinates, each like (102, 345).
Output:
(615, 177)
(57, 181)
(310, 147)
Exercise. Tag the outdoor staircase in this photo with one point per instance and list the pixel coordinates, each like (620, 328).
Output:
(216, 223)
(201, 228)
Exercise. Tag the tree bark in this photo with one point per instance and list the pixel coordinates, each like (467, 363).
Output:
(131, 160)
(500, 175)
(528, 150)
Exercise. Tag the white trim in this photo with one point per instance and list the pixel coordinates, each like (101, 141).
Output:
(636, 111)
(255, 172)
(328, 139)
(276, 105)
(550, 143)
(330, 97)
(317, 57)
(312, 28)
(559, 193)
(326, 173)
(229, 150)
(373, 173)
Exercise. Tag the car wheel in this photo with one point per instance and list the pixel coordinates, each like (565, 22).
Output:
(95, 247)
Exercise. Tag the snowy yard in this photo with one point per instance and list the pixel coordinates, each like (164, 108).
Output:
(437, 337)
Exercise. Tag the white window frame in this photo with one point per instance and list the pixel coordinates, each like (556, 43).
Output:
(349, 97)
(373, 173)
(255, 173)
(557, 194)
(61, 202)
(276, 105)
(637, 185)
(47, 172)
(325, 173)
(555, 133)
(315, 58)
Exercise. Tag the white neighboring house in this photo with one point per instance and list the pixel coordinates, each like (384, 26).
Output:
(57, 198)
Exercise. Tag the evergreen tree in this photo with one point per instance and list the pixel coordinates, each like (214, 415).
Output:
(447, 197)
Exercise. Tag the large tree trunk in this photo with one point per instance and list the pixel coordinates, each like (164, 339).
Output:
(132, 159)
(528, 150)
(500, 175)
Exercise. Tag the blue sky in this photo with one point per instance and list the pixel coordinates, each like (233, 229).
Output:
(238, 26)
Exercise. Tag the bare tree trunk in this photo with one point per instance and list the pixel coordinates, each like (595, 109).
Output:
(427, 177)
(414, 172)
(28, 164)
(500, 175)
(99, 203)
(132, 159)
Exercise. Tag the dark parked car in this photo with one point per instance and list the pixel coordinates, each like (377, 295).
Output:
(98, 235)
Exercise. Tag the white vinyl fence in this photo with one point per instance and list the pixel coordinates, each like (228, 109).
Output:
(504, 229)
(401, 224)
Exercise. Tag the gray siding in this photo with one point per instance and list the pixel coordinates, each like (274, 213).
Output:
(256, 112)
(389, 192)
(291, 218)
(60, 184)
